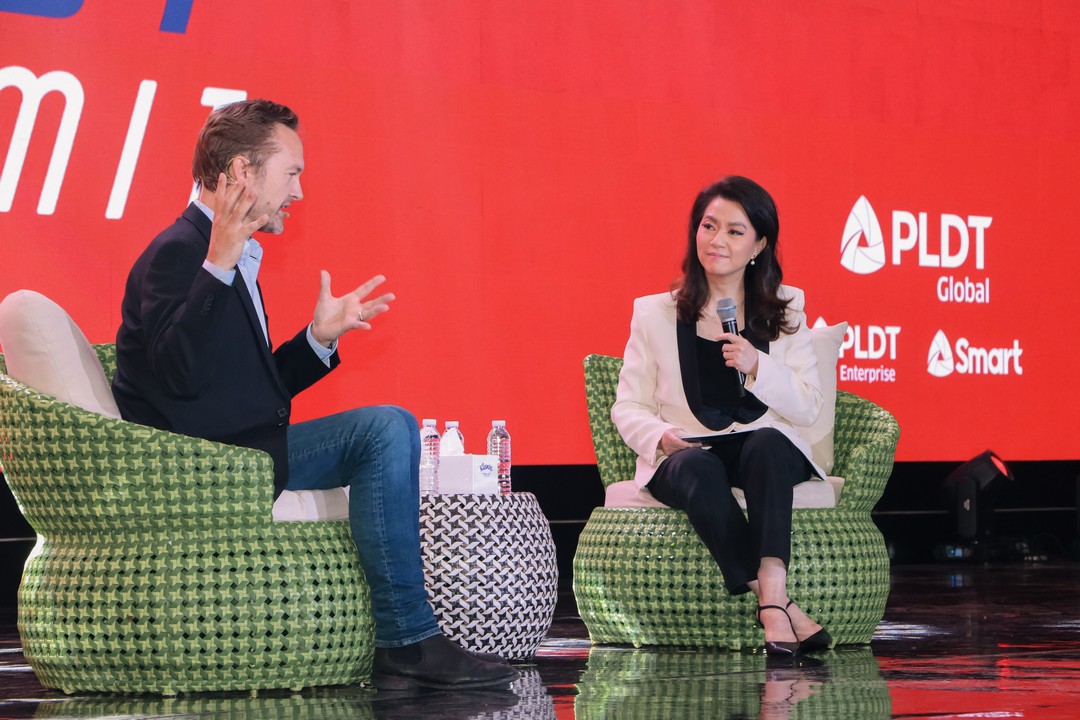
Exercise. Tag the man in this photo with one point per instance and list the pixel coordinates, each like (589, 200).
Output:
(194, 356)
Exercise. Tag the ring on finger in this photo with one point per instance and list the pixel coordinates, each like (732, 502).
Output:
(361, 314)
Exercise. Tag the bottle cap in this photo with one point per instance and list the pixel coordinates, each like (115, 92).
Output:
(428, 421)
(451, 423)
(498, 423)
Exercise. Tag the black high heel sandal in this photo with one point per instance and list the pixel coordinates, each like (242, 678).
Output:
(821, 640)
(782, 647)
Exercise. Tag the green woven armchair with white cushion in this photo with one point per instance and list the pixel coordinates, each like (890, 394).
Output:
(643, 577)
(158, 567)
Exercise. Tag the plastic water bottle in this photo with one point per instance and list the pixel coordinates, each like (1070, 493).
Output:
(498, 443)
(429, 458)
(452, 436)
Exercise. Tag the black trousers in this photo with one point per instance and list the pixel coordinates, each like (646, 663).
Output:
(767, 466)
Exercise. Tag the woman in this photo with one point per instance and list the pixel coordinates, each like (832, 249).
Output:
(683, 376)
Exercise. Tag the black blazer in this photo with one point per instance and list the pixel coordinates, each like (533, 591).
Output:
(191, 356)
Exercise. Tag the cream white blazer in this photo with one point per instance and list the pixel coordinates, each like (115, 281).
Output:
(651, 399)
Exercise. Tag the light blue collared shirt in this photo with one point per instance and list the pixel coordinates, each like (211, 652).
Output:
(248, 265)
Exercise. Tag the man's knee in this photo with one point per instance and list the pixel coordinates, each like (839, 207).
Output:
(388, 424)
(405, 415)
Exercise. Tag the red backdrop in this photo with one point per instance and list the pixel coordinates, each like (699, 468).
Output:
(521, 171)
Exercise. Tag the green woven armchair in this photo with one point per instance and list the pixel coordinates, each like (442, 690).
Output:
(642, 576)
(157, 566)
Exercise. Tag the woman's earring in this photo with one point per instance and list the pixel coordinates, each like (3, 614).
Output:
(752, 262)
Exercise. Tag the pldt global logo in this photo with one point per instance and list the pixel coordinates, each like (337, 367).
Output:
(862, 250)
(959, 242)
(174, 19)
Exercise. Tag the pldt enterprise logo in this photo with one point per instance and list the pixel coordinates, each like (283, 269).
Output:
(174, 19)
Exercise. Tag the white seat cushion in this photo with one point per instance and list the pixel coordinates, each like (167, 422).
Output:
(809, 494)
(311, 505)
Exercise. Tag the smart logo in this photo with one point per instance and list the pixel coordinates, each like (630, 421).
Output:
(958, 240)
(939, 362)
(962, 357)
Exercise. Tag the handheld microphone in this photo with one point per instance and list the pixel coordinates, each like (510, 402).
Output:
(725, 310)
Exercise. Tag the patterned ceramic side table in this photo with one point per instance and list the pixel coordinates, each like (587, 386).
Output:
(489, 563)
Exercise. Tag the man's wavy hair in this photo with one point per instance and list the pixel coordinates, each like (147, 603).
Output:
(244, 128)
(764, 310)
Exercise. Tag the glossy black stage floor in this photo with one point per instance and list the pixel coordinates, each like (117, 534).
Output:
(997, 641)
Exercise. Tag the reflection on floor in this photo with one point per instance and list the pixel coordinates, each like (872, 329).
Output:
(957, 641)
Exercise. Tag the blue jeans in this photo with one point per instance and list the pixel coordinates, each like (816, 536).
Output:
(375, 451)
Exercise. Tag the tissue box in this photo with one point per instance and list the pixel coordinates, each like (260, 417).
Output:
(468, 474)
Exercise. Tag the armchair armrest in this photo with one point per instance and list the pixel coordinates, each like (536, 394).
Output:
(864, 447)
(74, 471)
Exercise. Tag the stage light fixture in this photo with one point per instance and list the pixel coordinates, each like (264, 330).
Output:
(972, 488)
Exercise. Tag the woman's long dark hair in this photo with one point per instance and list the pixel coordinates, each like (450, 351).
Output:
(764, 310)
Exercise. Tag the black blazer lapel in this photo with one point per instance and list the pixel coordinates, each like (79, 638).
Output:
(265, 353)
(686, 334)
(249, 308)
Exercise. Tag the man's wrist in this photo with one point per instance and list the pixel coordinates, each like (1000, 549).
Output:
(316, 338)
(225, 276)
(323, 351)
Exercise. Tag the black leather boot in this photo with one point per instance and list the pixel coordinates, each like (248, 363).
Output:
(436, 662)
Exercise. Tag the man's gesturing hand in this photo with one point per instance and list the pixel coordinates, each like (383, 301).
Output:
(233, 201)
(335, 316)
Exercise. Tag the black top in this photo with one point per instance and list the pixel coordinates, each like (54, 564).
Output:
(712, 388)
